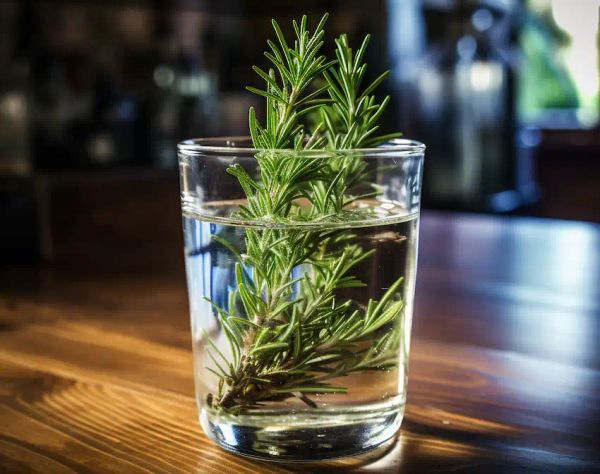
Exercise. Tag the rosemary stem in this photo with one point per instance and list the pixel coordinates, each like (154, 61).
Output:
(295, 335)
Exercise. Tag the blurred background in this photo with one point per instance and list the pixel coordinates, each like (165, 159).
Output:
(94, 96)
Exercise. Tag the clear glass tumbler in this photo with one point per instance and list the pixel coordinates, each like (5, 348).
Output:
(301, 271)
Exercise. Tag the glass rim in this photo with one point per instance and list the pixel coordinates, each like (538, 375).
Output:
(229, 146)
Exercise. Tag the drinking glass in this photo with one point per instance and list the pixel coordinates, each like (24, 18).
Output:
(324, 374)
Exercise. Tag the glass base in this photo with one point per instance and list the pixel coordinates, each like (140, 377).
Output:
(306, 436)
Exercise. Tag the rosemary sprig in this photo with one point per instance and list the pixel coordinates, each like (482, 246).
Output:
(290, 331)
(352, 118)
(296, 67)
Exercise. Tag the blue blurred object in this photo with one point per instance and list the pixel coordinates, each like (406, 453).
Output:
(464, 105)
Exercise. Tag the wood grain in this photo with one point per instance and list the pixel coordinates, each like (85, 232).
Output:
(96, 367)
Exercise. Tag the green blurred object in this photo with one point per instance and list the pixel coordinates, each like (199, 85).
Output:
(545, 82)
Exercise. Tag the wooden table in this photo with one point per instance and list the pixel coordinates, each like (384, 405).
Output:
(96, 368)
